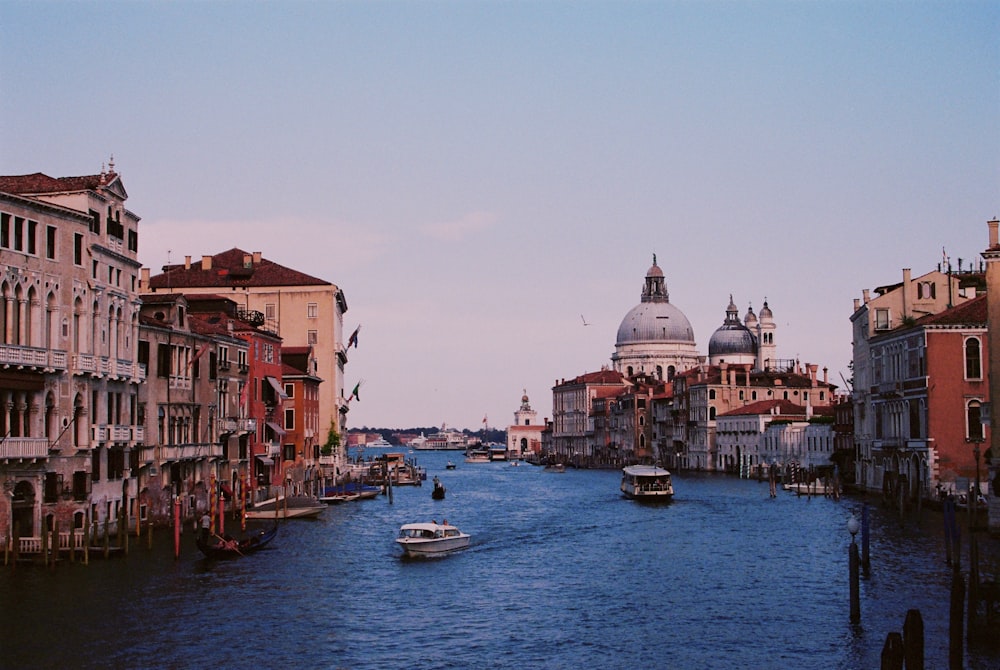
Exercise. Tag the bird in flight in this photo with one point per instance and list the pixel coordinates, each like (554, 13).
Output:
(584, 320)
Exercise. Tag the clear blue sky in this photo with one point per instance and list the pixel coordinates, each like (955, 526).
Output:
(477, 175)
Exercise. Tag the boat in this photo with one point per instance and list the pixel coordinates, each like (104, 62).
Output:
(348, 492)
(431, 539)
(227, 547)
(298, 507)
(450, 466)
(815, 488)
(477, 455)
(646, 482)
(443, 440)
(380, 443)
(555, 467)
(438, 492)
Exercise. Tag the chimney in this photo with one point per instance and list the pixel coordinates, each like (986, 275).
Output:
(864, 293)
(187, 262)
(994, 235)
(857, 304)
(144, 278)
(206, 262)
(812, 373)
(907, 301)
(247, 261)
(256, 258)
(825, 370)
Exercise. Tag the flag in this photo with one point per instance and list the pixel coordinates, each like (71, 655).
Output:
(484, 419)
(355, 391)
(245, 394)
(354, 338)
(201, 352)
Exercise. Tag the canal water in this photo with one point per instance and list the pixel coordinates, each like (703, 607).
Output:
(562, 573)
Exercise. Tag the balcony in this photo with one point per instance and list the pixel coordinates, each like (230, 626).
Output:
(99, 434)
(24, 448)
(120, 433)
(190, 452)
(43, 360)
(180, 383)
(227, 425)
(138, 434)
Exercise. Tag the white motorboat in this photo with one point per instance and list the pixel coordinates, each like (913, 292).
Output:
(431, 539)
(296, 507)
(646, 482)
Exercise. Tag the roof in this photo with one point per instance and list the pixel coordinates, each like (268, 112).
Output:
(783, 407)
(600, 377)
(42, 183)
(228, 269)
(972, 312)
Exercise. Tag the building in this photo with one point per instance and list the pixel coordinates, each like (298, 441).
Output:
(304, 435)
(69, 378)
(524, 436)
(893, 418)
(572, 402)
(302, 310)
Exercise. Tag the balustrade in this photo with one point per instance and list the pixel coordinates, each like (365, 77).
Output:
(36, 357)
(24, 448)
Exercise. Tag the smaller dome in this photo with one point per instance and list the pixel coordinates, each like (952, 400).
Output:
(732, 338)
(765, 312)
(750, 319)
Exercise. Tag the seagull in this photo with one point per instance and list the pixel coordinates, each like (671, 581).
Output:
(584, 320)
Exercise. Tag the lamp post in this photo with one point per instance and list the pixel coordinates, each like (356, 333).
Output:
(852, 527)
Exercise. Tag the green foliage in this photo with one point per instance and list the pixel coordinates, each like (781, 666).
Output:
(332, 440)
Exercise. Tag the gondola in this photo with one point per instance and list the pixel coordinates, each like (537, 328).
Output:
(438, 492)
(231, 547)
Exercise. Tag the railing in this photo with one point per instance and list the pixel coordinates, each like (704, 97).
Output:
(138, 434)
(24, 447)
(182, 383)
(33, 545)
(100, 434)
(249, 425)
(35, 357)
(190, 452)
(120, 433)
(227, 425)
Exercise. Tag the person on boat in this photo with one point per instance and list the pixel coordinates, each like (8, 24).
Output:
(206, 524)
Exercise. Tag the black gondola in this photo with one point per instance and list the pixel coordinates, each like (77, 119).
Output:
(438, 492)
(231, 547)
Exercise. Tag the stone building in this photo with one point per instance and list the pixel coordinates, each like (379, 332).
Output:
(301, 309)
(524, 436)
(69, 378)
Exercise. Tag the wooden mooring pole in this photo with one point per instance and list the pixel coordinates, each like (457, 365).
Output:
(892, 652)
(913, 640)
(956, 638)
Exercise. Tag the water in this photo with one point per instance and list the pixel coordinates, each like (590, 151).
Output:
(562, 573)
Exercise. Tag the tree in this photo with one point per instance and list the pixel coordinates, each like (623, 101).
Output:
(332, 440)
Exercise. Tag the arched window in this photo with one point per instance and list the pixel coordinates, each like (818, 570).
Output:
(974, 421)
(711, 414)
(973, 359)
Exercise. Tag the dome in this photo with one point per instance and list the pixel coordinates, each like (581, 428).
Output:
(732, 338)
(655, 322)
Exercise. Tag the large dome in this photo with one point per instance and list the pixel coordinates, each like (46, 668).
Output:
(655, 322)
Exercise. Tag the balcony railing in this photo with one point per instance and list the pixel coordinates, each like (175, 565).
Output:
(190, 452)
(24, 448)
(32, 357)
(138, 434)
(182, 383)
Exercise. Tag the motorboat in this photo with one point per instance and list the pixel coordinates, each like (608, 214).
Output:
(814, 488)
(431, 539)
(646, 482)
(296, 507)
(228, 547)
(449, 466)
(478, 455)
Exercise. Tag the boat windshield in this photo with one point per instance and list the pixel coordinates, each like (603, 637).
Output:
(416, 533)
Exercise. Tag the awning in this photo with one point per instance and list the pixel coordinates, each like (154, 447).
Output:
(265, 460)
(277, 387)
(278, 430)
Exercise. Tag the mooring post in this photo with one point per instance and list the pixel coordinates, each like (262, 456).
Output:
(866, 564)
(956, 638)
(913, 640)
(892, 652)
(852, 528)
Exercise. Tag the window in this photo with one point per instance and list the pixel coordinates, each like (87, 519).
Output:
(5, 231)
(973, 359)
(312, 310)
(50, 242)
(290, 390)
(18, 233)
(974, 421)
(32, 231)
(926, 290)
(881, 319)
(78, 249)
(289, 419)
(312, 336)
(269, 311)
(711, 394)
(95, 222)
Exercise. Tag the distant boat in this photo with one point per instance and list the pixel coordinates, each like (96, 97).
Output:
(477, 454)
(380, 443)
(450, 466)
(298, 507)
(438, 492)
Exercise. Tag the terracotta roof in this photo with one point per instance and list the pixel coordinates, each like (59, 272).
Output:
(291, 351)
(42, 183)
(229, 269)
(968, 313)
(600, 377)
(783, 407)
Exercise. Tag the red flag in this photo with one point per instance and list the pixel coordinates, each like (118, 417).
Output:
(201, 352)
(354, 338)
(245, 393)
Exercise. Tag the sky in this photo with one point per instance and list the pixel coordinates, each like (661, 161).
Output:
(479, 178)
